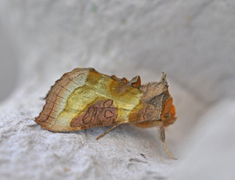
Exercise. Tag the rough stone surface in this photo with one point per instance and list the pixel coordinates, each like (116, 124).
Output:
(192, 41)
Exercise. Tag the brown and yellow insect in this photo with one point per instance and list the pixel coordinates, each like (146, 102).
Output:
(85, 98)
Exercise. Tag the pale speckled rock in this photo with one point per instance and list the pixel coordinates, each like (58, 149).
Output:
(193, 42)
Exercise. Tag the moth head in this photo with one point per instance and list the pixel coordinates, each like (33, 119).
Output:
(157, 95)
(168, 113)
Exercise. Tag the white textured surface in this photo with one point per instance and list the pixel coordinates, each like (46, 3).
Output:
(192, 41)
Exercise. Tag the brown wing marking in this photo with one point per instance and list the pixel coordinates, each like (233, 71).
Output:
(135, 82)
(114, 77)
(124, 80)
(102, 113)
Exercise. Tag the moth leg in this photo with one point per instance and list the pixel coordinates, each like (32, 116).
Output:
(107, 131)
(162, 136)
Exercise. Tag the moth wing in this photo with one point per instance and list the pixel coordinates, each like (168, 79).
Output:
(85, 98)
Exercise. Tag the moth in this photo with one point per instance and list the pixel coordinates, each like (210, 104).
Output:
(85, 98)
